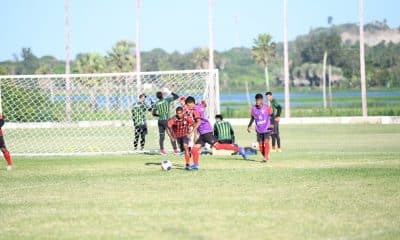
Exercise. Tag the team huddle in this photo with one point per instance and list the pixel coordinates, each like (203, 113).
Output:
(189, 129)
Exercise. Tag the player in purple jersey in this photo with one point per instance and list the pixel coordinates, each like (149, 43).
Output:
(203, 127)
(261, 113)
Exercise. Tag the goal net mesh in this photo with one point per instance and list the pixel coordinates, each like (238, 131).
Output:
(90, 113)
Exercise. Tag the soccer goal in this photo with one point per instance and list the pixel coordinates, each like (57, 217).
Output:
(90, 113)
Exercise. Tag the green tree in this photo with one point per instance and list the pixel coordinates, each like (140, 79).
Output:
(90, 63)
(121, 57)
(264, 51)
(29, 62)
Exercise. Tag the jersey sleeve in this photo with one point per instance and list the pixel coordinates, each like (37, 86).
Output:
(196, 115)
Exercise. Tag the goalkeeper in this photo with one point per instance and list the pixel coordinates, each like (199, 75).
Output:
(139, 121)
(3, 148)
(161, 109)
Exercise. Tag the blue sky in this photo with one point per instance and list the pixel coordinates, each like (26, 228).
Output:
(173, 25)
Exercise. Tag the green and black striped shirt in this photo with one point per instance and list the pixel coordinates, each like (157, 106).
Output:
(223, 131)
(139, 113)
(163, 108)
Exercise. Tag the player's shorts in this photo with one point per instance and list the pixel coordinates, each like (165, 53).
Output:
(262, 137)
(141, 129)
(2, 143)
(206, 138)
(181, 142)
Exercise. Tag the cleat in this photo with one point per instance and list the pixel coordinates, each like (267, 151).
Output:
(194, 167)
(9, 168)
(188, 168)
(264, 161)
(273, 149)
(242, 153)
(163, 152)
(279, 150)
(177, 153)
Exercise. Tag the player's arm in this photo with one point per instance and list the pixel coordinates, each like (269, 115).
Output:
(250, 123)
(1, 121)
(215, 131)
(170, 124)
(278, 111)
(154, 111)
(232, 133)
(197, 122)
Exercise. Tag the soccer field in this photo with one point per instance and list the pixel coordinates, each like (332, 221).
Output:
(330, 182)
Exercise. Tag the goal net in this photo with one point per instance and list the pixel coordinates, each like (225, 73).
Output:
(91, 113)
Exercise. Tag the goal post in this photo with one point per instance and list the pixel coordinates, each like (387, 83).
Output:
(35, 108)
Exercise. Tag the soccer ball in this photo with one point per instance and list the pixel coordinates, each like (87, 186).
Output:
(254, 145)
(166, 165)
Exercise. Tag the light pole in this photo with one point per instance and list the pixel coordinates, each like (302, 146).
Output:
(67, 65)
(137, 48)
(362, 62)
(286, 59)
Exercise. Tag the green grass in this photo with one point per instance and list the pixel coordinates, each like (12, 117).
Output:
(330, 182)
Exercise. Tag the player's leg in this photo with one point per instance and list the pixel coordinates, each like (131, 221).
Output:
(266, 146)
(278, 138)
(136, 138)
(161, 131)
(200, 142)
(143, 134)
(260, 141)
(184, 142)
(210, 139)
(273, 142)
(6, 153)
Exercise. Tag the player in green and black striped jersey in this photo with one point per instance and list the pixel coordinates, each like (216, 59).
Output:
(161, 109)
(139, 111)
(275, 118)
(223, 130)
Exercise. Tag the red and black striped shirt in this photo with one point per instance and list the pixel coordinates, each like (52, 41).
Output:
(180, 127)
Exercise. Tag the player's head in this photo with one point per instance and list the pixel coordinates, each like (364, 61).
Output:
(179, 112)
(190, 102)
(219, 117)
(269, 96)
(142, 97)
(259, 99)
(159, 95)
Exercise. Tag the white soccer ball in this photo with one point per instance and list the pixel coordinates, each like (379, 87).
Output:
(254, 145)
(166, 165)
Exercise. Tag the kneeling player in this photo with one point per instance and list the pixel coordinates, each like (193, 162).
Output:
(261, 113)
(178, 129)
(203, 127)
(3, 148)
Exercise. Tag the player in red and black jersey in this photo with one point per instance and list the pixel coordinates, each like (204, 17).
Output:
(3, 148)
(179, 129)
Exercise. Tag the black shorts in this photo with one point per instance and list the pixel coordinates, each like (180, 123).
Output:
(261, 137)
(182, 141)
(206, 138)
(2, 143)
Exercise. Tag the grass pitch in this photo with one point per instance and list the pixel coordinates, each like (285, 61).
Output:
(330, 182)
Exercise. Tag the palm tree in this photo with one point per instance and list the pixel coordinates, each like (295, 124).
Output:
(264, 50)
(121, 58)
(90, 63)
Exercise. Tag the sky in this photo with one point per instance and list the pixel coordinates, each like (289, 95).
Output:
(169, 24)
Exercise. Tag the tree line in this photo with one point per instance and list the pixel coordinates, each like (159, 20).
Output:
(319, 57)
